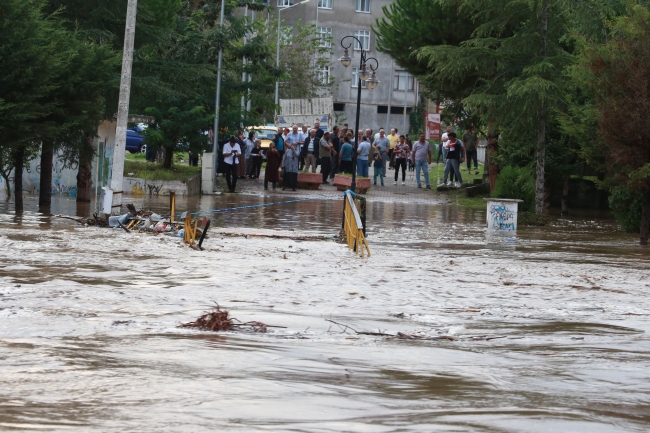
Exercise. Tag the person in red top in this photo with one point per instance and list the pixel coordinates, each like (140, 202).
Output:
(401, 152)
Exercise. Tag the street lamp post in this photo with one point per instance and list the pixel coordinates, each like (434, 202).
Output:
(363, 74)
(277, 54)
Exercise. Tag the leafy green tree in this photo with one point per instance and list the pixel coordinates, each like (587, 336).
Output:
(300, 76)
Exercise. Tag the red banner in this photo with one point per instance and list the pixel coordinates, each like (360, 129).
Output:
(432, 121)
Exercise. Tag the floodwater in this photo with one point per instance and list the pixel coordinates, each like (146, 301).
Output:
(550, 328)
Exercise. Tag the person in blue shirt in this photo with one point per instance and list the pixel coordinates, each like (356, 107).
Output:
(278, 140)
(345, 156)
(362, 160)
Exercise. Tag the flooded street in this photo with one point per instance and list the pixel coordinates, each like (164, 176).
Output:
(548, 331)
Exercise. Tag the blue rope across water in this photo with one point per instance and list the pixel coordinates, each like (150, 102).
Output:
(260, 205)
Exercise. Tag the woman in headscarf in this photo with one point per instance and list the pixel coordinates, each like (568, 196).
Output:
(290, 164)
(273, 160)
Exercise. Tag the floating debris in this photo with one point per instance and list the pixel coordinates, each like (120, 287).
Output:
(219, 320)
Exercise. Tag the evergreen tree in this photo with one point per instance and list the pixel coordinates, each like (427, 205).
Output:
(34, 53)
(618, 75)
(518, 55)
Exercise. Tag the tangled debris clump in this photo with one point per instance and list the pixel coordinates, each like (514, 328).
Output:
(219, 320)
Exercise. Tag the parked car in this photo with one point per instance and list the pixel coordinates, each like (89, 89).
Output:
(134, 139)
(265, 134)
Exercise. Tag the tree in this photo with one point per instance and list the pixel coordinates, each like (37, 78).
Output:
(618, 74)
(34, 53)
(517, 53)
(403, 30)
(301, 77)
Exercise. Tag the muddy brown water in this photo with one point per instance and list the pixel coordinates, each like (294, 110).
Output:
(550, 326)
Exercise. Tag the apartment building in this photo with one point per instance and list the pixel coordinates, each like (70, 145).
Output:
(381, 107)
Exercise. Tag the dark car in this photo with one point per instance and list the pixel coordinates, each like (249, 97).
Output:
(134, 139)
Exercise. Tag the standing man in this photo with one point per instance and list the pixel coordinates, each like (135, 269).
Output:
(294, 137)
(345, 128)
(381, 146)
(363, 150)
(319, 132)
(278, 140)
(310, 151)
(325, 156)
(371, 140)
(336, 147)
(470, 140)
(345, 156)
(421, 158)
(393, 138)
(454, 156)
(231, 156)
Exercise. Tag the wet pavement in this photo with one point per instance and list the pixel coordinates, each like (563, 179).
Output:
(550, 327)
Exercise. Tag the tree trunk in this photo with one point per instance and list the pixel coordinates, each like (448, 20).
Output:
(541, 160)
(45, 192)
(84, 176)
(645, 218)
(541, 120)
(565, 195)
(19, 156)
(169, 157)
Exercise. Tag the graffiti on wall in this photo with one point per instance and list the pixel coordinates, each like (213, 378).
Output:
(502, 218)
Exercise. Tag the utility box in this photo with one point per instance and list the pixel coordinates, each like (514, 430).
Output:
(502, 213)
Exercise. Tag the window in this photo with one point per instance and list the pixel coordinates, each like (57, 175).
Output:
(285, 3)
(325, 34)
(286, 35)
(399, 109)
(324, 75)
(403, 81)
(363, 6)
(364, 37)
(355, 79)
(325, 4)
(339, 106)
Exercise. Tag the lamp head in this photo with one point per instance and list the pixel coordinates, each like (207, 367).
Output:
(346, 60)
(372, 82)
(364, 74)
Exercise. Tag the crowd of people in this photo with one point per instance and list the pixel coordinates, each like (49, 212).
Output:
(305, 149)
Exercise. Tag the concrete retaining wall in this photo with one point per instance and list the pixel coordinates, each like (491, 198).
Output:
(137, 186)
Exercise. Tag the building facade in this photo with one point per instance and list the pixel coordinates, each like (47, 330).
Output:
(381, 107)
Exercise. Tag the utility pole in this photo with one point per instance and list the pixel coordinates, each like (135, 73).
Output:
(123, 107)
(244, 79)
(215, 143)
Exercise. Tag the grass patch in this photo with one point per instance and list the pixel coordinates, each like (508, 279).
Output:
(437, 173)
(155, 171)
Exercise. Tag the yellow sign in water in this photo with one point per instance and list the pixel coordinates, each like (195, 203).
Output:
(353, 226)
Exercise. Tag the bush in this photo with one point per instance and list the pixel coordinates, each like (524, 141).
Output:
(516, 183)
(626, 207)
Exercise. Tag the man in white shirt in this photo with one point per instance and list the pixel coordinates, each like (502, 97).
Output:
(295, 137)
(231, 156)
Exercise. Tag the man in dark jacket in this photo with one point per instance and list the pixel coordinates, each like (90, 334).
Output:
(336, 147)
(311, 151)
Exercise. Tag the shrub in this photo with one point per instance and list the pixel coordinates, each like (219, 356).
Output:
(626, 207)
(516, 183)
